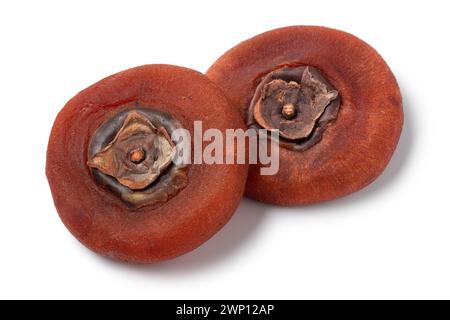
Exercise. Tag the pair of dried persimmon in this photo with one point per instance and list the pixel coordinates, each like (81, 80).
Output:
(332, 98)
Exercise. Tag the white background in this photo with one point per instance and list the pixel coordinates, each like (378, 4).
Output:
(390, 240)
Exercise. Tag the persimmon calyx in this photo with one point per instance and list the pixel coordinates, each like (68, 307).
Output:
(293, 107)
(137, 155)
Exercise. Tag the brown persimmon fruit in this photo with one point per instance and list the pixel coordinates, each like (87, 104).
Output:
(110, 171)
(332, 98)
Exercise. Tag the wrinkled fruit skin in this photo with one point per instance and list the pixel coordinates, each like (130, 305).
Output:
(356, 147)
(99, 218)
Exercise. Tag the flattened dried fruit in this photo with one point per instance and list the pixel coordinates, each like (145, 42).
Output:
(332, 97)
(109, 171)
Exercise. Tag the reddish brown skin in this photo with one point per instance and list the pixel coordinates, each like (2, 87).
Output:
(97, 217)
(354, 149)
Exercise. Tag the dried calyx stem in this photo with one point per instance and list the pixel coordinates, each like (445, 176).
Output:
(137, 155)
(289, 111)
